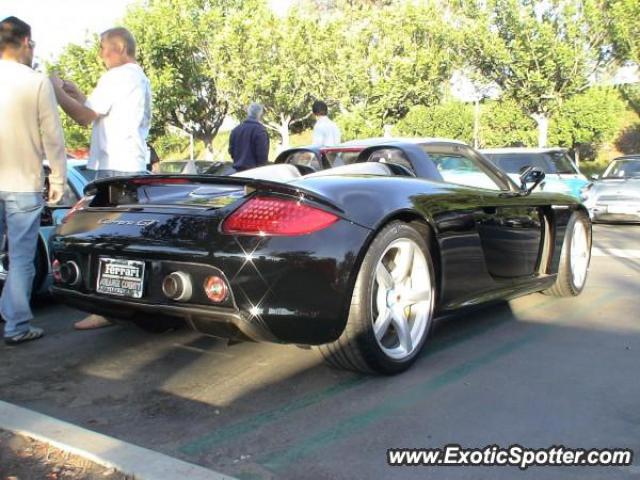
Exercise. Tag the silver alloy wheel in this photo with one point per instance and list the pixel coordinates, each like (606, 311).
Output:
(579, 254)
(402, 299)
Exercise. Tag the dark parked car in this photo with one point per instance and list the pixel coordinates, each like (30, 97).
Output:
(356, 259)
(615, 196)
(77, 178)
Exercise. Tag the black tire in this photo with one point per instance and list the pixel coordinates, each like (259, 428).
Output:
(357, 348)
(565, 286)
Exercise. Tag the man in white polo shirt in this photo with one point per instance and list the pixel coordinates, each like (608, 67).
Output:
(325, 132)
(119, 108)
(120, 111)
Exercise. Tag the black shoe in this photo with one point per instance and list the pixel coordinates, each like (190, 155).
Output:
(32, 334)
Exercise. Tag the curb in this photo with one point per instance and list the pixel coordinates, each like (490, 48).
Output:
(142, 463)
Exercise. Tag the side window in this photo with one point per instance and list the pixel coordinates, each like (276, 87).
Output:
(390, 155)
(461, 170)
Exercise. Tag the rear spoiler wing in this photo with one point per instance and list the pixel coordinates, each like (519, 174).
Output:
(107, 190)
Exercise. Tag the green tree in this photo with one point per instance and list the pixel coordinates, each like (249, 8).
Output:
(539, 53)
(394, 58)
(448, 120)
(171, 35)
(624, 26)
(590, 118)
(504, 124)
(283, 63)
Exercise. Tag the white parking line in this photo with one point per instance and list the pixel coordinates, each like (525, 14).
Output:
(615, 252)
(129, 459)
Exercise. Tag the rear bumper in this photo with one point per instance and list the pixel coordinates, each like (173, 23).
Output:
(217, 321)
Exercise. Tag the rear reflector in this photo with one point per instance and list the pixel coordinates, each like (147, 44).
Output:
(276, 216)
(215, 288)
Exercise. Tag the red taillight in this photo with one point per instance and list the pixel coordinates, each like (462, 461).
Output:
(276, 216)
(80, 205)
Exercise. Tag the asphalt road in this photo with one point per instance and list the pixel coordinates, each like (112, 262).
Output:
(538, 372)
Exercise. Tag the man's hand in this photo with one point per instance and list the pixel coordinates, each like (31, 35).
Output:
(56, 81)
(73, 91)
(55, 193)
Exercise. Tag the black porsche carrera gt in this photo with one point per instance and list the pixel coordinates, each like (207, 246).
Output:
(356, 259)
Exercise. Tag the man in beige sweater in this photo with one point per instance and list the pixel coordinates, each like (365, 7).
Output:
(30, 130)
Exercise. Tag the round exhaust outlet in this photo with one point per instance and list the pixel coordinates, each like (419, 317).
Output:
(177, 286)
(69, 273)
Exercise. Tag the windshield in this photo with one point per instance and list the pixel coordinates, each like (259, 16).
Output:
(623, 169)
(337, 158)
(548, 162)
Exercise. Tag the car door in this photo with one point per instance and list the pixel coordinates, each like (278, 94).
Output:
(510, 230)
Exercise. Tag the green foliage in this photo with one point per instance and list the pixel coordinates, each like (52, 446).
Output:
(539, 53)
(589, 118)
(395, 58)
(281, 63)
(82, 65)
(631, 94)
(447, 120)
(503, 124)
(170, 35)
(358, 123)
(624, 27)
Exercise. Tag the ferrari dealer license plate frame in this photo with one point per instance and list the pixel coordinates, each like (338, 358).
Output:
(120, 277)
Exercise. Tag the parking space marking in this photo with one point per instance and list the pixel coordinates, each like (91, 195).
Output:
(439, 344)
(615, 252)
(349, 426)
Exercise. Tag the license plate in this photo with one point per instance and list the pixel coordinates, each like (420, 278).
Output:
(623, 209)
(121, 278)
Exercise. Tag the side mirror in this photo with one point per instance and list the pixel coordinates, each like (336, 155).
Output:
(532, 175)
(595, 177)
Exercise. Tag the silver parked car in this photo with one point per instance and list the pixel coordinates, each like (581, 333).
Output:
(615, 195)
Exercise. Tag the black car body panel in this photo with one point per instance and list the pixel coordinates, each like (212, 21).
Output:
(486, 244)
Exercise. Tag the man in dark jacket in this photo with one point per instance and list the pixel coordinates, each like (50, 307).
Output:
(249, 142)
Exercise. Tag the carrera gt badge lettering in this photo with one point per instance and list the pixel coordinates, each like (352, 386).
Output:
(139, 223)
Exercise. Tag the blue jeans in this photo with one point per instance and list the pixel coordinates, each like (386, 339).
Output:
(117, 173)
(20, 221)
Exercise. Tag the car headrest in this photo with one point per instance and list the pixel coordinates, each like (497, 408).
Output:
(281, 172)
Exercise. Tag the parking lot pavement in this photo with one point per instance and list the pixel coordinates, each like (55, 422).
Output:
(538, 371)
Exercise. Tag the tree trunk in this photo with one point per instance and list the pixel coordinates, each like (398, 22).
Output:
(542, 120)
(283, 130)
(208, 150)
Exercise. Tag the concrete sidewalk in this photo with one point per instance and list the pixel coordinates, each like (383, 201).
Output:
(142, 463)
